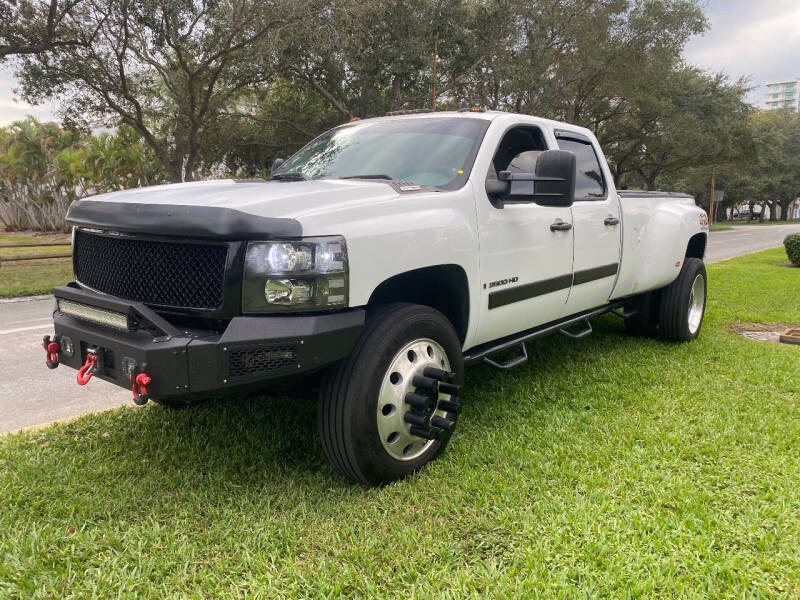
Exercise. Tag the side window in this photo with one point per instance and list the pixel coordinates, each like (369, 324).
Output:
(590, 184)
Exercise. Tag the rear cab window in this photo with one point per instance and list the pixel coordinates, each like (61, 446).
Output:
(590, 183)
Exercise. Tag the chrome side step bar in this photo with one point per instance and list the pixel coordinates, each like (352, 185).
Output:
(484, 351)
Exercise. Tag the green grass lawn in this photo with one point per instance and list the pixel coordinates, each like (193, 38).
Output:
(610, 467)
(33, 276)
(32, 237)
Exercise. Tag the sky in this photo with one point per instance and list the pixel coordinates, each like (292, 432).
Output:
(759, 39)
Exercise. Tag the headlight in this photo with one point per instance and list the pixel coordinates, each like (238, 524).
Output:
(307, 274)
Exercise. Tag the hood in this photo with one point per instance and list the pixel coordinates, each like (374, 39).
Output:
(225, 208)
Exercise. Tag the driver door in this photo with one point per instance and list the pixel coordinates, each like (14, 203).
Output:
(525, 263)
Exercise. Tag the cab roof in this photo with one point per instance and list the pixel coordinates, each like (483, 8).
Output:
(487, 115)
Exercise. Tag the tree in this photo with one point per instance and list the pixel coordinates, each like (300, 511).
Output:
(576, 60)
(776, 169)
(235, 83)
(32, 195)
(166, 68)
(108, 162)
(44, 168)
(366, 57)
(685, 120)
(270, 123)
(764, 172)
(614, 66)
(34, 27)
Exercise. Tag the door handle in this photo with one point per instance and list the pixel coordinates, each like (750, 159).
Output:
(560, 226)
(611, 221)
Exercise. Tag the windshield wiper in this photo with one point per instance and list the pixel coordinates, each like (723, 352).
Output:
(290, 176)
(376, 176)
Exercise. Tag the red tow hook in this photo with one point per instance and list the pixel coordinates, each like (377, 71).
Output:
(88, 369)
(52, 348)
(140, 383)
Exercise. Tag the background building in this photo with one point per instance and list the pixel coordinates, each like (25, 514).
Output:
(784, 94)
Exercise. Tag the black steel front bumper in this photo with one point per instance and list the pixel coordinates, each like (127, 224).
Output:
(181, 361)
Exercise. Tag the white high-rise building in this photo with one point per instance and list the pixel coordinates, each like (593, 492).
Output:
(784, 94)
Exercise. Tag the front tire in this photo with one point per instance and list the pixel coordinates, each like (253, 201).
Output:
(683, 303)
(363, 404)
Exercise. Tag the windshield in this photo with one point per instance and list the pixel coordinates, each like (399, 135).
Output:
(430, 151)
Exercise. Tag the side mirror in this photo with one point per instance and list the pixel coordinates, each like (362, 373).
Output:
(556, 172)
(495, 187)
(276, 164)
(553, 183)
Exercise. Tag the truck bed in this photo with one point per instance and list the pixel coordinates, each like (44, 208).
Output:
(655, 228)
(648, 194)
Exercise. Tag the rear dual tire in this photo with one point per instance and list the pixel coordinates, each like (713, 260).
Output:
(683, 303)
(361, 402)
(675, 312)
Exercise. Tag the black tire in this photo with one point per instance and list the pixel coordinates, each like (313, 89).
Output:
(349, 394)
(645, 321)
(676, 302)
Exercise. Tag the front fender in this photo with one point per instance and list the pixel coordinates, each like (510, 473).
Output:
(408, 232)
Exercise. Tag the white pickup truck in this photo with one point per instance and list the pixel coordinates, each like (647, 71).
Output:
(387, 253)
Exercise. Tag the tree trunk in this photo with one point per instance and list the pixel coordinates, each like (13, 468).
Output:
(773, 214)
(617, 178)
(174, 170)
(784, 204)
(189, 166)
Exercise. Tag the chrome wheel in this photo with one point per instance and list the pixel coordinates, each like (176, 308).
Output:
(394, 432)
(697, 303)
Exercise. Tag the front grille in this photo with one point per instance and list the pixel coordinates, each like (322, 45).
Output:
(153, 272)
(264, 358)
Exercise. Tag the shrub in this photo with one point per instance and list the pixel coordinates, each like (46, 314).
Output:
(792, 243)
(44, 168)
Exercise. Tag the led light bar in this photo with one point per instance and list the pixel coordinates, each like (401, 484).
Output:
(95, 315)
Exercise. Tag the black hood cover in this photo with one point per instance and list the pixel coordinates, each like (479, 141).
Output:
(180, 220)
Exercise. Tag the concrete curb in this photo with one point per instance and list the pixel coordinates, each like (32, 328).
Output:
(25, 298)
(64, 420)
(712, 262)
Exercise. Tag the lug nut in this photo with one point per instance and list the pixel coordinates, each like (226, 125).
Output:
(442, 423)
(415, 419)
(449, 406)
(418, 401)
(425, 433)
(421, 381)
(439, 374)
(449, 389)
(440, 434)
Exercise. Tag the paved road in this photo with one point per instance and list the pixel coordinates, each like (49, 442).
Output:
(746, 239)
(30, 394)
